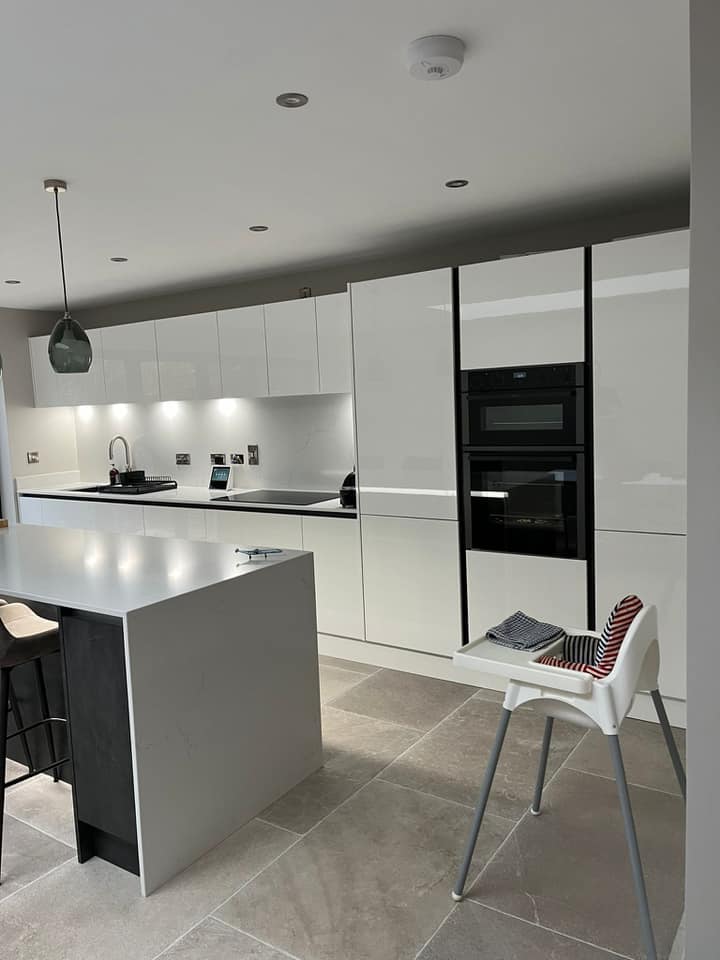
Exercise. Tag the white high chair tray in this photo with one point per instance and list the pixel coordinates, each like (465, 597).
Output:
(520, 665)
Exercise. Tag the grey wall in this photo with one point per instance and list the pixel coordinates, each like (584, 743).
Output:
(703, 855)
(570, 228)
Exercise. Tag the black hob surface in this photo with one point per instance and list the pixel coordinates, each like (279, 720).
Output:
(295, 498)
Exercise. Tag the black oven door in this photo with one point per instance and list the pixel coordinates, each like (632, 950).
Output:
(550, 417)
(528, 503)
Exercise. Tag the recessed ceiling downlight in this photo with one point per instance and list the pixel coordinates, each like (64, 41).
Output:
(456, 184)
(118, 259)
(258, 228)
(291, 100)
(13, 281)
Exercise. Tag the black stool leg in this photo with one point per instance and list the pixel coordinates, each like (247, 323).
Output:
(44, 706)
(19, 723)
(4, 695)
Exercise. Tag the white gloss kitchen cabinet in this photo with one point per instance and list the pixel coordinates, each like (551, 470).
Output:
(335, 545)
(640, 320)
(255, 528)
(188, 357)
(522, 311)
(184, 523)
(405, 395)
(66, 389)
(130, 363)
(243, 352)
(334, 343)
(292, 347)
(81, 514)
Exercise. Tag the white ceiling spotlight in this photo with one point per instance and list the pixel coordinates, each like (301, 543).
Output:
(435, 58)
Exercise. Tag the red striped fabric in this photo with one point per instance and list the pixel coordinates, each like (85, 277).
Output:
(613, 634)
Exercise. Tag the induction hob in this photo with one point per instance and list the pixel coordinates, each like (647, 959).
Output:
(295, 498)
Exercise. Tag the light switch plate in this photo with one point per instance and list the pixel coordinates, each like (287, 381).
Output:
(253, 455)
(182, 459)
(33, 456)
(237, 458)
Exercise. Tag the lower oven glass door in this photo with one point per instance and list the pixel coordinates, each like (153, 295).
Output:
(529, 503)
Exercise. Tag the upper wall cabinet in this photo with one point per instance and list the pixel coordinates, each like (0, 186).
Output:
(292, 347)
(522, 311)
(67, 389)
(188, 357)
(640, 319)
(243, 352)
(404, 395)
(130, 362)
(334, 343)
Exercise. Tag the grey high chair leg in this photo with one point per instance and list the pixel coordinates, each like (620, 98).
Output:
(547, 737)
(669, 740)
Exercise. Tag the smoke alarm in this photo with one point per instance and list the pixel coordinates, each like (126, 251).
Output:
(435, 58)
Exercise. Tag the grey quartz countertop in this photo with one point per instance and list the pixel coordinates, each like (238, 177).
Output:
(115, 573)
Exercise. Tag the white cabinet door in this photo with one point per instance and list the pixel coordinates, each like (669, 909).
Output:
(653, 566)
(548, 588)
(335, 545)
(131, 363)
(243, 352)
(188, 357)
(29, 510)
(185, 523)
(73, 514)
(411, 578)
(522, 311)
(118, 517)
(640, 318)
(292, 347)
(247, 528)
(334, 343)
(405, 396)
(67, 389)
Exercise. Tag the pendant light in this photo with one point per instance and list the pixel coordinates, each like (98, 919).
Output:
(69, 348)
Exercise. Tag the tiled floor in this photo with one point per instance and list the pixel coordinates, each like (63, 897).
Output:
(357, 862)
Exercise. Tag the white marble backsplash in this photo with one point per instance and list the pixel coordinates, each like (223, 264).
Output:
(305, 442)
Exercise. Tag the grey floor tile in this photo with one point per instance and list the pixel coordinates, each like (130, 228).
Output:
(335, 681)
(647, 761)
(212, 940)
(94, 910)
(372, 882)
(27, 854)
(351, 665)
(311, 800)
(450, 761)
(569, 870)
(405, 698)
(484, 693)
(473, 932)
(45, 805)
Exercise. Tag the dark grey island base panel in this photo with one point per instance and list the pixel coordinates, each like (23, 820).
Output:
(93, 652)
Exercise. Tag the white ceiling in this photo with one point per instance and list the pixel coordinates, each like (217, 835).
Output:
(161, 116)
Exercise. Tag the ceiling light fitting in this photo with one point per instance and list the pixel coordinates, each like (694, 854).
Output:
(258, 228)
(291, 100)
(456, 184)
(435, 58)
(13, 281)
(69, 348)
(118, 259)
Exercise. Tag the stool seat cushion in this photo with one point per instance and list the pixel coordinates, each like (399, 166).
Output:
(24, 635)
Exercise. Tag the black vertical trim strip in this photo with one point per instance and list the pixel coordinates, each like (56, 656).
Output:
(459, 473)
(589, 442)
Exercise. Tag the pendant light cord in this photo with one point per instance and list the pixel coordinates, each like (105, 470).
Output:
(62, 258)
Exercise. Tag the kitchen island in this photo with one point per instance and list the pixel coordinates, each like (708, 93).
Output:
(191, 684)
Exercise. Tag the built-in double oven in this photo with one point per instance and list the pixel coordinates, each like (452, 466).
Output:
(524, 460)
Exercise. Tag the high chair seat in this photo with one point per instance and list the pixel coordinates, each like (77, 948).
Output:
(24, 635)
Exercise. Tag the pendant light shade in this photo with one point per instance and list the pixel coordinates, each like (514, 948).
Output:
(69, 348)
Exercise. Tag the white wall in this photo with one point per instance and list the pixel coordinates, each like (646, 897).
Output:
(703, 851)
(305, 442)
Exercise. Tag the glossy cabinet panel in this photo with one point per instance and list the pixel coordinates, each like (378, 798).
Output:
(292, 348)
(255, 529)
(653, 566)
(334, 343)
(29, 510)
(411, 578)
(188, 357)
(640, 318)
(130, 363)
(547, 588)
(335, 545)
(84, 514)
(404, 395)
(185, 523)
(522, 311)
(67, 389)
(243, 353)
(118, 517)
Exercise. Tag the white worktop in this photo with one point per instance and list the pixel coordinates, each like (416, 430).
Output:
(188, 497)
(114, 573)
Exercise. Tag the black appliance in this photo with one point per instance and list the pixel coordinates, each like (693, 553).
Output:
(146, 485)
(295, 498)
(348, 491)
(524, 406)
(524, 477)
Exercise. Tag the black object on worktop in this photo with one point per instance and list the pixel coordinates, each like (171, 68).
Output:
(299, 498)
(348, 490)
(137, 486)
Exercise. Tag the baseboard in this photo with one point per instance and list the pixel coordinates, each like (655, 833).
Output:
(442, 668)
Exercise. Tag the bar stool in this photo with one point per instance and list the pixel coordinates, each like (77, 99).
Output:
(25, 637)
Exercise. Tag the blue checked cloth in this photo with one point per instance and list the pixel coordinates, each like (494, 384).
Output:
(521, 632)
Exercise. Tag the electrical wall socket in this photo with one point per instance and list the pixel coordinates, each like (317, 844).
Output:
(253, 455)
(237, 458)
(33, 456)
(217, 459)
(182, 459)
